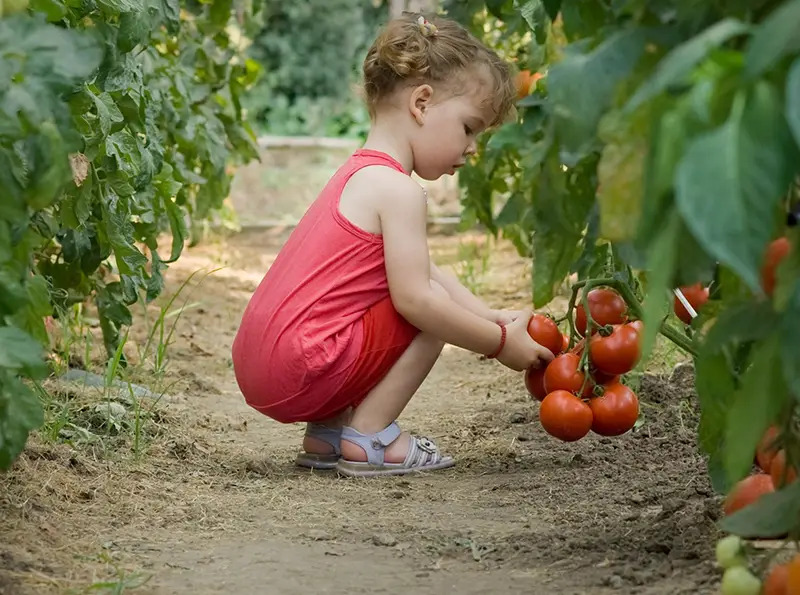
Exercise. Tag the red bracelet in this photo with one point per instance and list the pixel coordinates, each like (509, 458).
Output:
(502, 342)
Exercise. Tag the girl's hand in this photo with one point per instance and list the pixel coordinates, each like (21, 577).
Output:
(505, 317)
(520, 352)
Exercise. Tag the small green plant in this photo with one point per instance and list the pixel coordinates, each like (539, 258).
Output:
(473, 262)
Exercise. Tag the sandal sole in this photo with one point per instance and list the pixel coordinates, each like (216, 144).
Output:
(321, 462)
(356, 469)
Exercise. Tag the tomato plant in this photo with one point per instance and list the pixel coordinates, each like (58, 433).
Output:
(660, 149)
(118, 121)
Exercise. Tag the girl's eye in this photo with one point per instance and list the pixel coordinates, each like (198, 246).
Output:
(468, 130)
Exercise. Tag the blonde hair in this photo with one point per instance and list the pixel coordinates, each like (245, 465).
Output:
(414, 50)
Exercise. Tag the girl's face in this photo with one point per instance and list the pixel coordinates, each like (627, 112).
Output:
(447, 131)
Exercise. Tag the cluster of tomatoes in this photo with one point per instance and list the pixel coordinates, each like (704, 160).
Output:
(576, 398)
(781, 579)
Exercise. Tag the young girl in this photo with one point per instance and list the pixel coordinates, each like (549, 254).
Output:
(352, 315)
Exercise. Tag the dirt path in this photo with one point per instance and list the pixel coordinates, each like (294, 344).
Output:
(215, 506)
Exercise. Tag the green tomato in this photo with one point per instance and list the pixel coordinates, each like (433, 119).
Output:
(730, 552)
(14, 6)
(738, 580)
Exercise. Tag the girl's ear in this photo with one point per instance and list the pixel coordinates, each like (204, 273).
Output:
(419, 102)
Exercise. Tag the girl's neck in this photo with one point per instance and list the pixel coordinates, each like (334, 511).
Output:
(381, 138)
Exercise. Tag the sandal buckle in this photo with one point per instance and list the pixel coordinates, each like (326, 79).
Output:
(427, 445)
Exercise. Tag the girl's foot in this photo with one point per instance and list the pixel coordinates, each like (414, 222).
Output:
(388, 452)
(321, 447)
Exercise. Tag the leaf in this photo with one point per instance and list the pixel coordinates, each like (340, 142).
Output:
(715, 391)
(582, 18)
(19, 351)
(679, 62)
(107, 111)
(774, 38)
(582, 85)
(793, 100)
(177, 226)
(120, 232)
(134, 29)
(20, 412)
(790, 334)
(620, 177)
(741, 323)
(760, 398)
(772, 515)
(535, 15)
(54, 10)
(220, 13)
(749, 162)
(662, 257)
(552, 7)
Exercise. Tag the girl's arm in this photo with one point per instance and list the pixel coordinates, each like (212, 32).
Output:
(402, 213)
(460, 294)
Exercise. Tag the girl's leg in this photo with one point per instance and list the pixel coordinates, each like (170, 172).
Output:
(384, 403)
(315, 445)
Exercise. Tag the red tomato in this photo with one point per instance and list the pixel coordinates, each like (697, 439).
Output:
(564, 343)
(615, 412)
(606, 307)
(565, 416)
(775, 583)
(544, 331)
(618, 352)
(776, 252)
(563, 374)
(604, 379)
(781, 475)
(747, 491)
(696, 295)
(534, 382)
(766, 449)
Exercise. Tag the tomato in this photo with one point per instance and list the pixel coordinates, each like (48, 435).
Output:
(781, 475)
(524, 80)
(776, 580)
(534, 382)
(766, 449)
(544, 331)
(565, 416)
(618, 352)
(776, 252)
(604, 379)
(738, 580)
(564, 343)
(747, 491)
(793, 576)
(606, 307)
(729, 552)
(696, 295)
(563, 374)
(615, 412)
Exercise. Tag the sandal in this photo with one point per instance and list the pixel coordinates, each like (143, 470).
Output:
(328, 435)
(423, 454)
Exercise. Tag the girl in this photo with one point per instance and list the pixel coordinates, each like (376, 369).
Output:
(352, 315)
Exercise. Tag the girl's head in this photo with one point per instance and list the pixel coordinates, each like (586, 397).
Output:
(439, 85)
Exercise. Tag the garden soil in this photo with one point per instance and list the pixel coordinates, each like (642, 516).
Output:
(213, 503)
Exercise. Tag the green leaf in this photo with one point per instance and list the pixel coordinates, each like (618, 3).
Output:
(662, 257)
(772, 515)
(790, 335)
(552, 7)
(134, 29)
(177, 226)
(582, 18)
(716, 389)
(20, 412)
(220, 12)
(107, 111)
(535, 15)
(760, 398)
(620, 175)
(793, 100)
(741, 323)
(19, 351)
(54, 10)
(675, 67)
(582, 85)
(774, 38)
(749, 162)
